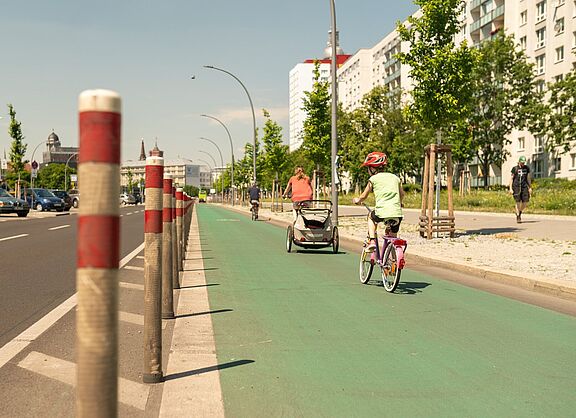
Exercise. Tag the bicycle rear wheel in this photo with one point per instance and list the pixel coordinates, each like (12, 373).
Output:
(389, 269)
(366, 266)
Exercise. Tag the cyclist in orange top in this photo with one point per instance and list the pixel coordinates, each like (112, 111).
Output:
(301, 188)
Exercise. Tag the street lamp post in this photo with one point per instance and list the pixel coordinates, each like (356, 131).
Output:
(231, 150)
(209, 167)
(66, 171)
(334, 150)
(221, 161)
(253, 116)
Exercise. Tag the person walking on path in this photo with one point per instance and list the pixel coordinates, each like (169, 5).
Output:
(520, 186)
(301, 188)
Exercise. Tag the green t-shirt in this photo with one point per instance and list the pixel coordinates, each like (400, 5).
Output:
(386, 191)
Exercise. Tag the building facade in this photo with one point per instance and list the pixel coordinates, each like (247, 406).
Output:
(183, 171)
(56, 153)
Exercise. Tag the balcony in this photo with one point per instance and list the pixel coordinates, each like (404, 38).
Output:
(476, 3)
(487, 18)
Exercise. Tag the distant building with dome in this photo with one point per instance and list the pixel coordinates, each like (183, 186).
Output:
(57, 154)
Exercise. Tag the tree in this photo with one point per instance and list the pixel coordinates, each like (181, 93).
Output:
(440, 71)
(18, 147)
(316, 135)
(275, 158)
(559, 120)
(505, 97)
(51, 176)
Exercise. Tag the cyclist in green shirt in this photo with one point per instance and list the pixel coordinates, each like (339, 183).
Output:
(388, 193)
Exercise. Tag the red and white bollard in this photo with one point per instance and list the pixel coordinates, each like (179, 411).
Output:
(98, 254)
(175, 270)
(179, 210)
(152, 270)
(167, 246)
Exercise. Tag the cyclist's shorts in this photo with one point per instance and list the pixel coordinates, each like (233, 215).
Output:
(394, 226)
(300, 205)
(255, 202)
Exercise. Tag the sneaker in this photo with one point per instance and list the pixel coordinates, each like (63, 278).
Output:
(371, 245)
(518, 219)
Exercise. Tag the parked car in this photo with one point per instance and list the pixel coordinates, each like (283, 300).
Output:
(10, 204)
(127, 199)
(43, 199)
(75, 196)
(65, 197)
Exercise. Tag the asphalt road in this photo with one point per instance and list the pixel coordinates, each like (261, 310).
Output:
(38, 264)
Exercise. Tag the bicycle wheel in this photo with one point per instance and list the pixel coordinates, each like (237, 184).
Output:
(335, 240)
(390, 271)
(289, 238)
(254, 216)
(366, 266)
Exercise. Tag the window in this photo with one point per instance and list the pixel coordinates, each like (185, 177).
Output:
(557, 164)
(540, 38)
(572, 161)
(523, 17)
(559, 26)
(540, 64)
(541, 11)
(541, 86)
(560, 54)
(573, 40)
(560, 3)
(521, 143)
(558, 78)
(523, 43)
(538, 166)
(538, 144)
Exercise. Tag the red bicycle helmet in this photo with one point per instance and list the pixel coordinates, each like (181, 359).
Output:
(375, 159)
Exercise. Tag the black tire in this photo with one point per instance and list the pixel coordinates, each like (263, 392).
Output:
(366, 266)
(22, 214)
(39, 207)
(335, 240)
(389, 269)
(75, 203)
(289, 238)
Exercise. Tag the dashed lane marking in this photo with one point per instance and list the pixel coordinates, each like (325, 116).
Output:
(135, 319)
(141, 257)
(130, 393)
(58, 227)
(132, 286)
(129, 213)
(15, 346)
(134, 268)
(14, 237)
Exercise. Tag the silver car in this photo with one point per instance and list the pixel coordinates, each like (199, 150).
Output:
(127, 199)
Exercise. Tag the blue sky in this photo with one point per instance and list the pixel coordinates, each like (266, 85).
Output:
(147, 50)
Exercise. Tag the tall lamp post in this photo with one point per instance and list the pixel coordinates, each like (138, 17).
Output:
(334, 114)
(253, 116)
(231, 150)
(221, 161)
(209, 167)
(66, 171)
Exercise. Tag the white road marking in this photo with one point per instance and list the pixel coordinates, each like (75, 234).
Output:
(134, 268)
(141, 257)
(129, 213)
(19, 343)
(132, 286)
(135, 319)
(129, 393)
(14, 237)
(58, 227)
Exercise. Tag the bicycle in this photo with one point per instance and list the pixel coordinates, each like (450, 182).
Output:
(254, 209)
(390, 258)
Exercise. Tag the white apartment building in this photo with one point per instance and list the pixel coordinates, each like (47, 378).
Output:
(182, 171)
(545, 29)
(301, 80)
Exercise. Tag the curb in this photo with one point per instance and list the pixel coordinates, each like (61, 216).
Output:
(534, 284)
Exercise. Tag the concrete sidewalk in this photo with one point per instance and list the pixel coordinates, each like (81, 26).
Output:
(539, 265)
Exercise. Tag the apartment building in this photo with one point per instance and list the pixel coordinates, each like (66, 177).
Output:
(545, 29)
(183, 171)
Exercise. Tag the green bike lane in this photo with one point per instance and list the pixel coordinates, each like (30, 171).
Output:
(298, 335)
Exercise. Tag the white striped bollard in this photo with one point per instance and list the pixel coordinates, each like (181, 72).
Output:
(152, 271)
(167, 245)
(175, 270)
(98, 254)
(179, 227)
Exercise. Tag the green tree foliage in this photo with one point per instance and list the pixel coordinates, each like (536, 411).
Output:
(51, 176)
(275, 157)
(191, 190)
(316, 133)
(559, 120)
(505, 97)
(439, 69)
(18, 147)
